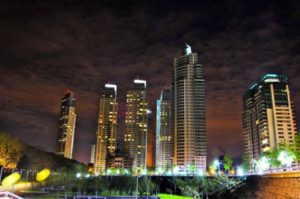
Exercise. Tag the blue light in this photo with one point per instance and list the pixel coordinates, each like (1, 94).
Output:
(253, 86)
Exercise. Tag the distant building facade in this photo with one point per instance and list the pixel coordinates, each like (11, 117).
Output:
(92, 158)
(67, 122)
(136, 123)
(188, 105)
(120, 161)
(164, 133)
(107, 127)
(268, 115)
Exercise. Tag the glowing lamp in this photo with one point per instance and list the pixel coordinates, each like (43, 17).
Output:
(11, 179)
(169, 172)
(262, 164)
(286, 159)
(240, 171)
(176, 170)
(216, 163)
(42, 175)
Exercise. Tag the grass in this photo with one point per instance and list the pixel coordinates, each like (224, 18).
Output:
(169, 196)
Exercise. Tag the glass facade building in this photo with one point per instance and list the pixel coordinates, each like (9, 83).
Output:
(164, 133)
(106, 128)
(136, 124)
(188, 105)
(268, 115)
(67, 122)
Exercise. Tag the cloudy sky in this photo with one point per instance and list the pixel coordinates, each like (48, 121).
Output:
(48, 46)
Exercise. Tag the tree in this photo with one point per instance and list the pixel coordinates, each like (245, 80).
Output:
(10, 150)
(192, 168)
(246, 162)
(201, 186)
(296, 146)
(227, 162)
(146, 186)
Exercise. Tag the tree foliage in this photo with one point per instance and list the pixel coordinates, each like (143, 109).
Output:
(246, 162)
(201, 186)
(15, 153)
(227, 162)
(11, 150)
(296, 146)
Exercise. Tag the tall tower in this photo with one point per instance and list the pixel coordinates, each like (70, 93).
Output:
(107, 127)
(67, 121)
(188, 103)
(136, 122)
(164, 134)
(268, 115)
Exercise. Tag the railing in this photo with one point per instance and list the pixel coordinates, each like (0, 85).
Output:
(111, 197)
(131, 197)
(295, 168)
(6, 195)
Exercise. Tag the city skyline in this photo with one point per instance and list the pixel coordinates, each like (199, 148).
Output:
(59, 49)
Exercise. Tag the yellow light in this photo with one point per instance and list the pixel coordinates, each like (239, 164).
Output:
(42, 175)
(11, 179)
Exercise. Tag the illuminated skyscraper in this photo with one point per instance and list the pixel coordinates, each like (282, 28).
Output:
(107, 127)
(137, 124)
(188, 105)
(164, 133)
(268, 116)
(67, 121)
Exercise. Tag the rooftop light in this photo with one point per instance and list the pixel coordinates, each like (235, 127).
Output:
(139, 81)
(111, 86)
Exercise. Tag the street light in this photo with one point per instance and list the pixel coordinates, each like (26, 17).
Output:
(240, 171)
(137, 186)
(286, 159)
(216, 163)
(78, 175)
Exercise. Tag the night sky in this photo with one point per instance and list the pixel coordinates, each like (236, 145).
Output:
(48, 46)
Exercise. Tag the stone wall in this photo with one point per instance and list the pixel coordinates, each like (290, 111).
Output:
(275, 186)
(278, 188)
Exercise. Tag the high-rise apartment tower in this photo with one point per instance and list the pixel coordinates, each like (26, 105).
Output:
(164, 133)
(67, 121)
(107, 127)
(136, 123)
(188, 104)
(268, 115)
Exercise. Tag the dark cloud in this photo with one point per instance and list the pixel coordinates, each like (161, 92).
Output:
(46, 47)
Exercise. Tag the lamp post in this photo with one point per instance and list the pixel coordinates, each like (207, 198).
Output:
(27, 173)
(147, 187)
(137, 186)
(1, 173)
(217, 164)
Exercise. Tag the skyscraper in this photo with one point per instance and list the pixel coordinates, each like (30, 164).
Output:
(92, 158)
(188, 104)
(67, 121)
(136, 122)
(107, 127)
(164, 133)
(268, 115)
